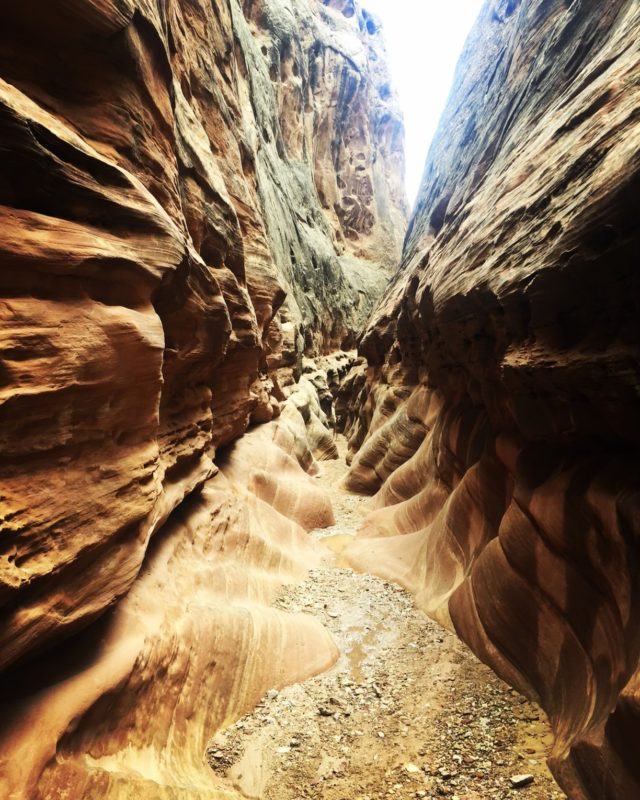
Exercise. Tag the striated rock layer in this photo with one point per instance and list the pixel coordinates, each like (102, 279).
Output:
(498, 422)
(125, 710)
(193, 196)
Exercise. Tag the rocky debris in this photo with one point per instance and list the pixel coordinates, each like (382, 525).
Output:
(497, 421)
(520, 781)
(406, 712)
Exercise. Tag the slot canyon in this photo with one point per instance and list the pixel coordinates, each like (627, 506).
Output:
(304, 494)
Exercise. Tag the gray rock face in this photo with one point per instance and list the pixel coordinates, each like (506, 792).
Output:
(330, 160)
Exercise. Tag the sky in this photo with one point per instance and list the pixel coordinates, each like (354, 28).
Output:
(424, 41)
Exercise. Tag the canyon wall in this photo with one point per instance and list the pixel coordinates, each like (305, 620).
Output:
(498, 421)
(193, 196)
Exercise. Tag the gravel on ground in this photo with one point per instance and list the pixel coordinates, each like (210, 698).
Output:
(407, 712)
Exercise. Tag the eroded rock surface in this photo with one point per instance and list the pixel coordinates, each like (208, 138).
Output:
(193, 196)
(126, 708)
(510, 471)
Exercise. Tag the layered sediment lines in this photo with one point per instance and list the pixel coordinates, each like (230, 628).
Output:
(126, 708)
(506, 486)
(192, 198)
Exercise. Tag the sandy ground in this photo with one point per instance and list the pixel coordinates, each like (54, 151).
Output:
(407, 712)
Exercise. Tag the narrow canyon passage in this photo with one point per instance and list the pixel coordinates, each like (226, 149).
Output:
(406, 712)
(208, 264)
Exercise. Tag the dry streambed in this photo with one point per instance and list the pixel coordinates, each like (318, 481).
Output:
(407, 711)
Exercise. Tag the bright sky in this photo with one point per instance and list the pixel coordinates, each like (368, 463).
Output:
(424, 41)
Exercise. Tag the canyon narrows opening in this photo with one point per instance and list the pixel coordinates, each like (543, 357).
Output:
(406, 712)
(303, 494)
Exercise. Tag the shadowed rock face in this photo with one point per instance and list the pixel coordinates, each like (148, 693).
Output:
(185, 187)
(511, 471)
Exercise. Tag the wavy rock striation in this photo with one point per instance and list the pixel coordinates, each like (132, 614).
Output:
(126, 708)
(507, 488)
(193, 196)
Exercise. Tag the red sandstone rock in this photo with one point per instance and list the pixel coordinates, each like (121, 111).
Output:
(126, 709)
(162, 246)
(517, 304)
(275, 476)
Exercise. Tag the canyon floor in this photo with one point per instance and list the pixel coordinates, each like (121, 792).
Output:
(407, 712)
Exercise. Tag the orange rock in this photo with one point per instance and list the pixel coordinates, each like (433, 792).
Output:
(163, 248)
(517, 303)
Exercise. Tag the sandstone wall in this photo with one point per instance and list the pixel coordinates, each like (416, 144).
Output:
(185, 188)
(511, 471)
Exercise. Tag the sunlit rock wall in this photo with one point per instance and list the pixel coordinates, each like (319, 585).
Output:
(125, 708)
(498, 422)
(173, 239)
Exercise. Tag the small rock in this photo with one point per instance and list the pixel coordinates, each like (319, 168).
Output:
(411, 769)
(272, 694)
(520, 781)
(283, 750)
